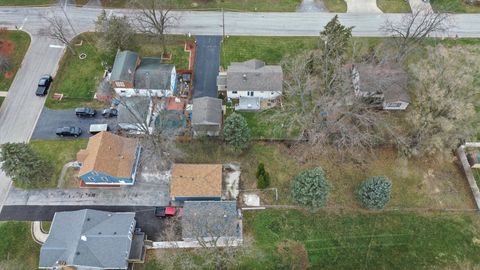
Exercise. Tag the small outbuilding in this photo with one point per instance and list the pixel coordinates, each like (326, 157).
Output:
(207, 116)
(196, 182)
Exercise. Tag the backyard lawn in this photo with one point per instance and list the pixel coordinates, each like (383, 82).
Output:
(58, 152)
(14, 44)
(394, 6)
(17, 249)
(335, 5)
(455, 6)
(1, 100)
(364, 241)
(26, 2)
(263, 127)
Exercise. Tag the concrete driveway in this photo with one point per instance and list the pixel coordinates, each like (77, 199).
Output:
(50, 120)
(207, 64)
(311, 6)
(362, 6)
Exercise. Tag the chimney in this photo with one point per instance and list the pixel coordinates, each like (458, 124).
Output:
(244, 77)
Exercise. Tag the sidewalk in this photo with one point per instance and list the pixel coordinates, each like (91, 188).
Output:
(3, 93)
(38, 235)
(420, 5)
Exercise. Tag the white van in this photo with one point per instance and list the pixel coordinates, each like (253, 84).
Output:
(96, 128)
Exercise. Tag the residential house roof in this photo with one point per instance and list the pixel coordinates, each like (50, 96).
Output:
(388, 79)
(134, 111)
(88, 238)
(152, 74)
(108, 153)
(124, 66)
(254, 75)
(196, 180)
(207, 111)
(203, 219)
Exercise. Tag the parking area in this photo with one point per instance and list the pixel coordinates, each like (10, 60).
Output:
(50, 120)
(207, 64)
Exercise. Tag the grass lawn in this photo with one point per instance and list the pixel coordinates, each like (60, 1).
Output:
(455, 6)
(394, 6)
(1, 100)
(58, 152)
(26, 2)
(21, 42)
(262, 127)
(367, 241)
(335, 5)
(77, 79)
(17, 249)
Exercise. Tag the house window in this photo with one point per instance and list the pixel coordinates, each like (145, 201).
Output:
(250, 93)
(91, 179)
(272, 93)
(120, 84)
(123, 91)
(234, 92)
(104, 178)
(395, 105)
(94, 173)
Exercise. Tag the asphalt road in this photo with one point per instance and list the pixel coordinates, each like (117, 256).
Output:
(207, 64)
(50, 120)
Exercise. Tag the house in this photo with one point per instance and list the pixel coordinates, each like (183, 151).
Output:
(194, 182)
(135, 113)
(131, 76)
(251, 79)
(214, 221)
(384, 84)
(123, 70)
(90, 239)
(109, 159)
(207, 116)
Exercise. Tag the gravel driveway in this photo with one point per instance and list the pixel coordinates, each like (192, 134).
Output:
(50, 120)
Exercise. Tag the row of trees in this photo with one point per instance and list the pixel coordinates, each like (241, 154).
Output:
(311, 188)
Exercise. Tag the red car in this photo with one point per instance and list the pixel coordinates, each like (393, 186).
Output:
(165, 211)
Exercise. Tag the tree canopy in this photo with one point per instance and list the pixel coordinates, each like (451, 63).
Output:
(311, 188)
(374, 193)
(236, 131)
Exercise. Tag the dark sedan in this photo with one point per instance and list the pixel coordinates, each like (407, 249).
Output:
(43, 85)
(69, 131)
(85, 112)
(110, 112)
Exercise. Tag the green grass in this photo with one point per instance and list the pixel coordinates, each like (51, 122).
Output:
(263, 127)
(455, 6)
(369, 241)
(58, 152)
(26, 2)
(22, 42)
(1, 100)
(17, 249)
(394, 6)
(335, 5)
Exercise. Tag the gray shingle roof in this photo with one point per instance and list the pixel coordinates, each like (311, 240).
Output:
(206, 110)
(133, 110)
(88, 238)
(254, 75)
(124, 66)
(152, 74)
(210, 219)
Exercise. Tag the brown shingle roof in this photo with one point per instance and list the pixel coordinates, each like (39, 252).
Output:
(108, 153)
(196, 180)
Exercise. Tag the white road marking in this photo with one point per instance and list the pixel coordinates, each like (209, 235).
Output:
(24, 21)
(57, 46)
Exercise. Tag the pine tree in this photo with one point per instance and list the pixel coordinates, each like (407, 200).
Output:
(236, 132)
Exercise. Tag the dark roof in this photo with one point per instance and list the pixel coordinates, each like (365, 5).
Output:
(124, 66)
(152, 74)
(207, 110)
(88, 238)
(215, 219)
(254, 75)
(133, 110)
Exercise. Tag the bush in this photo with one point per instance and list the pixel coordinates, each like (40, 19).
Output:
(263, 177)
(236, 131)
(374, 193)
(311, 188)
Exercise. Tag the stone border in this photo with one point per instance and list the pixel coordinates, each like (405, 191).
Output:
(468, 171)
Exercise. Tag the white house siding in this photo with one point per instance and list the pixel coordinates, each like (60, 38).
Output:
(260, 94)
(131, 92)
(398, 106)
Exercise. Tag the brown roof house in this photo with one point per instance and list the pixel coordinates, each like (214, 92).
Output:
(385, 84)
(196, 182)
(109, 159)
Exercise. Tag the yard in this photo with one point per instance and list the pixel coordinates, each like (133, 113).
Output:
(77, 79)
(1, 100)
(335, 5)
(455, 6)
(263, 127)
(17, 249)
(394, 6)
(14, 45)
(58, 152)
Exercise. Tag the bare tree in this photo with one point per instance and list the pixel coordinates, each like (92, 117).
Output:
(58, 29)
(155, 18)
(413, 28)
(114, 32)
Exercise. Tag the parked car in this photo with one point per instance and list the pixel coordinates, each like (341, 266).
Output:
(85, 112)
(69, 131)
(43, 85)
(110, 112)
(165, 211)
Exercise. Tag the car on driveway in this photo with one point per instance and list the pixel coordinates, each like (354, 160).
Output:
(85, 112)
(43, 85)
(69, 131)
(109, 112)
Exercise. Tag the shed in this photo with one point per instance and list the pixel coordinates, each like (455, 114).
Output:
(196, 182)
(207, 116)
(123, 70)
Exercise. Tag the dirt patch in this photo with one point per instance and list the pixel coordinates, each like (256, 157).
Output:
(8, 75)
(6, 47)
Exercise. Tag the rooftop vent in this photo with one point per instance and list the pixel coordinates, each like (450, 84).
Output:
(83, 238)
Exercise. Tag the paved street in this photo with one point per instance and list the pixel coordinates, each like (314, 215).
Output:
(207, 63)
(50, 120)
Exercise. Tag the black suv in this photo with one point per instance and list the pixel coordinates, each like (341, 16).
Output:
(43, 85)
(109, 112)
(69, 131)
(85, 112)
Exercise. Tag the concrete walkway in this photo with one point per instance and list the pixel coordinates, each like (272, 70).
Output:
(420, 5)
(311, 6)
(61, 179)
(221, 242)
(468, 171)
(38, 235)
(3, 93)
(362, 6)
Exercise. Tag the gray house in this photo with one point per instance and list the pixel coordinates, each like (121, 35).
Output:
(135, 113)
(207, 116)
(152, 78)
(123, 70)
(211, 221)
(90, 239)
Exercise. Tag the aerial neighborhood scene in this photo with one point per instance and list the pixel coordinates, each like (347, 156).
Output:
(239, 134)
